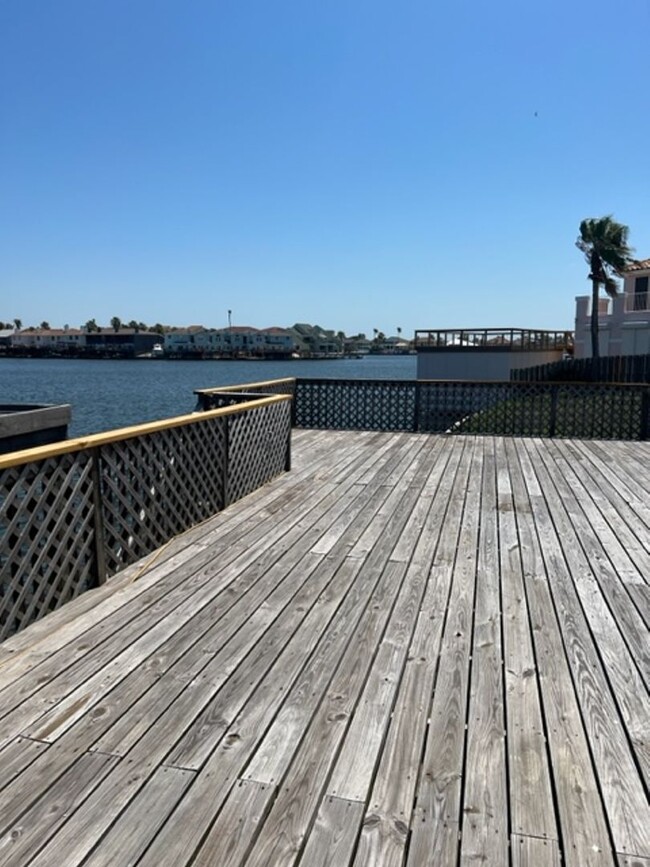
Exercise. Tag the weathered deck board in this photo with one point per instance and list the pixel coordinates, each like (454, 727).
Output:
(531, 800)
(410, 650)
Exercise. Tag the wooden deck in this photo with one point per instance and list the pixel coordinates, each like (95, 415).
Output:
(410, 650)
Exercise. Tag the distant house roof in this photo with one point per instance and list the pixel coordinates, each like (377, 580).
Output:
(50, 332)
(639, 265)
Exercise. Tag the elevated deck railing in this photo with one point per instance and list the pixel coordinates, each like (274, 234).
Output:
(74, 513)
(491, 339)
(545, 409)
(608, 368)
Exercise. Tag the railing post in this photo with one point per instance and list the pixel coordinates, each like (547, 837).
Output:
(226, 461)
(287, 454)
(294, 402)
(644, 432)
(416, 407)
(553, 421)
(98, 516)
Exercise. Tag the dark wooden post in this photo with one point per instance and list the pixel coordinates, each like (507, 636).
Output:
(644, 432)
(416, 407)
(98, 516)
(294, 401)
(226, 461)
(553, 421)
(287, 454)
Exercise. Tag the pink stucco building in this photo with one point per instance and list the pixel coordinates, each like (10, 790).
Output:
(624, 321)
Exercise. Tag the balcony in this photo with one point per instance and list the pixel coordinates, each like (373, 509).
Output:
(637, 301)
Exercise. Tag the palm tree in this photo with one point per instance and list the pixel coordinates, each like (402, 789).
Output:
(604, 243)
(18, 323)
(116, 323)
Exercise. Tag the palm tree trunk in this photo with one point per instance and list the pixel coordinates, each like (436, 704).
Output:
(595, 348)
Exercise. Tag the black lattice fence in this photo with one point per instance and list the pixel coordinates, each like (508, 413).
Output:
(360, 404)
(86, 510)
(611, 368)
(598, 411)
(229, 395)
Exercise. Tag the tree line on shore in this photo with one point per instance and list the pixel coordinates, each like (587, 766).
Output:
(90, 326)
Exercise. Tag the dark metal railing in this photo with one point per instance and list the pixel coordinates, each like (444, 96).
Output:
(562, 409)
(75, 513)
(492, 339)
(599, 411)
(609, 368)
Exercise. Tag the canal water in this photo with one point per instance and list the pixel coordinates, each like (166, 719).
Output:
(107, 394)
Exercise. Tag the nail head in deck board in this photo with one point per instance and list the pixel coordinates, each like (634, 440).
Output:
(383, 838)
(484, 824)
(609, 626)
(534, 852)
(140, 822)
(235, 828)
(16, 755)
(355, 767)
(301, 789)
(192, 621)
(281, 652)
(333, 837)
(623, 793)
(581, 811)
(435, 842)
(41, 822)
(529, 780)
(275, 750)
(79, 837)
(440, 783)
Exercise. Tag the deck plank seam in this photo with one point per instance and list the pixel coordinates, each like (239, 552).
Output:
(576, 692)
(595, 646)
(408, 495)
(565, 470)
(514, 463)
(297, 513)
(507, 460)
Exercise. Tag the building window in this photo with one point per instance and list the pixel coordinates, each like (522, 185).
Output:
(641, 293)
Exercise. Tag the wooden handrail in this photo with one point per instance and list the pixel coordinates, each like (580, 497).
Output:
(14, 459)
(249, 386)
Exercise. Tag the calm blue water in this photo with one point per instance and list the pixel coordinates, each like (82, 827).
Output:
(109, 394)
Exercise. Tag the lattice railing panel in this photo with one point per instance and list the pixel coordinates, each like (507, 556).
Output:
(158, 485)
(506, 408)
(600, 412)
(215, 398)
(47, 537)
(355, 404)
(258, 442)
(488, 408)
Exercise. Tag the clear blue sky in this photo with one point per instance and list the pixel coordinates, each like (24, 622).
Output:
(352, 163)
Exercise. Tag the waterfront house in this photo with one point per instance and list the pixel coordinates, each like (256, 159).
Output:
(182, 341)
(316, 342)
(49, 339)
(623, 321)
